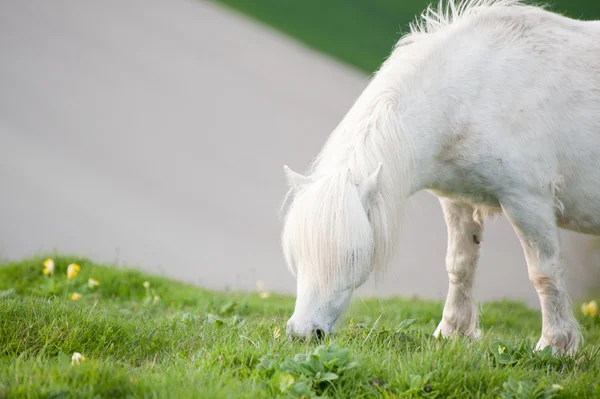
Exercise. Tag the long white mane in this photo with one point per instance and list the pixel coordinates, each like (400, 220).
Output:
(326, 223)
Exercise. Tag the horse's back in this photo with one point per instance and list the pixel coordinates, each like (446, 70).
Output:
(537, 76)
(528, 88)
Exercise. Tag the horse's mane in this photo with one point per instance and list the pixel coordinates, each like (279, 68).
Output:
(324, 222)
(433, 20)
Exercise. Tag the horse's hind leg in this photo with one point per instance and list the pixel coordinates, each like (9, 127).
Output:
(535, 224)
(464, 236)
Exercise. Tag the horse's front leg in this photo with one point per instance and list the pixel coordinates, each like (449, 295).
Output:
(464, 236)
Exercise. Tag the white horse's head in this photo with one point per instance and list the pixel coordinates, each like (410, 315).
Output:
(328, 242)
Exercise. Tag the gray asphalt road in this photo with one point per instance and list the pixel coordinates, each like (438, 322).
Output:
(153, 133)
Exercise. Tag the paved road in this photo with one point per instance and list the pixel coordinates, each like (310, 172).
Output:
(153, 133)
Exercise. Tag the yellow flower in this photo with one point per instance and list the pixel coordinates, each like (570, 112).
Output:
(77, 358)
(277, 332)
(501, 349)
(590, 309)
(558, 387)
(75, 296)
(264, 295)
(48, 267)
(146, 284)
(93, 283)
(72, 270)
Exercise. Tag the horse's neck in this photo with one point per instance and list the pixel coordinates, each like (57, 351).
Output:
(408, 134)
(392, 123)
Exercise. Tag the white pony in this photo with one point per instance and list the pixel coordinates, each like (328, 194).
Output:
(491, 105)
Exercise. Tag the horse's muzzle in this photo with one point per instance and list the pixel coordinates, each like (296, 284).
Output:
(317, 334)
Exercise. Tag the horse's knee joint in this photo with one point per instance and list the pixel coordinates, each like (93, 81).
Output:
(460, 278)
(543, 283)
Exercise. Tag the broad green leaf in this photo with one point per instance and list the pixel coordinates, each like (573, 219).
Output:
(285, 380)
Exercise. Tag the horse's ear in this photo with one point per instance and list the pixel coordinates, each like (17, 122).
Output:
(294, 179)
(370, 185)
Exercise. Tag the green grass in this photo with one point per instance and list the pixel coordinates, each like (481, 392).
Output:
(361, 32)
(192, 343)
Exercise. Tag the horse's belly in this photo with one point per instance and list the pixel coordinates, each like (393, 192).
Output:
(580, 212)
(577, 212)
(476, 199)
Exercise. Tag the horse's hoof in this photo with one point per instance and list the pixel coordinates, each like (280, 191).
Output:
(559, 348)
(447, 331)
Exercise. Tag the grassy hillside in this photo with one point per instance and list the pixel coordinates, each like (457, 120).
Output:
(148, 337)
(361, 32)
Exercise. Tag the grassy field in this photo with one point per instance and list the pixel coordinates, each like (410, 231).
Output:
(361, 32)
(148, 337)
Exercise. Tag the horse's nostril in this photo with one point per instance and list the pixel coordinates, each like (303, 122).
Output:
(320, 334)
